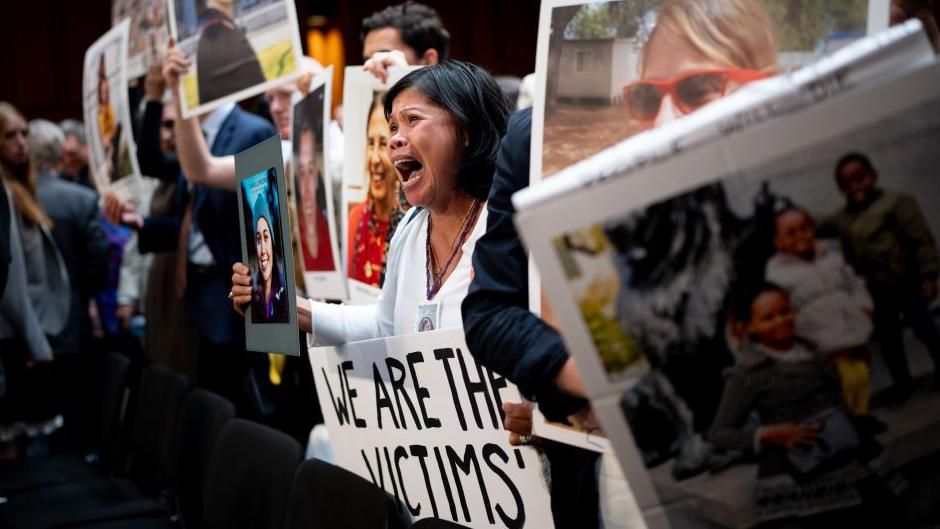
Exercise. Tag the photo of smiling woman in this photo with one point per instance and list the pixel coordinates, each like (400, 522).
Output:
(372, 222)
(269, 299)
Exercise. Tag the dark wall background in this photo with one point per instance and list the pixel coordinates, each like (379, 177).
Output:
(499, 35)
(45, 41)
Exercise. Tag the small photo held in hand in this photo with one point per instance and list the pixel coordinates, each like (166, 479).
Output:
(266, 262)
(270, 319)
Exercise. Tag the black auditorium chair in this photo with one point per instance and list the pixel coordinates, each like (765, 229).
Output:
(436, 523)
(204, 416)
(327, 496)
(149, 469)
(250, 477)
(17, 477)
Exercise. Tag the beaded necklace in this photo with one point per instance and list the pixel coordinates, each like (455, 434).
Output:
(433, 285)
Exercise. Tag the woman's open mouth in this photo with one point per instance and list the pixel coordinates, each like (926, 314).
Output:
(409, 171)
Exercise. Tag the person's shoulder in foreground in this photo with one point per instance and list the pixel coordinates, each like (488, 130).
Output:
(501, 331)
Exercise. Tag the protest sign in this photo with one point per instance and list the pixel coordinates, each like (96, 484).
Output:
(601, 67)
(147, 35)
(372, 203)
(313, 193)
(590, 52)
(236, 49)
(112, 153)
(271, 317)
(664, 258)
(420, 418)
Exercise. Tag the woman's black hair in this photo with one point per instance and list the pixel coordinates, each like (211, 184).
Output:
(472, 97)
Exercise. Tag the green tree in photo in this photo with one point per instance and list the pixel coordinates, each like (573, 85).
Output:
(803, 24)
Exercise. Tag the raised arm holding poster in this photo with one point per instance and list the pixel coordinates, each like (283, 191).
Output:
(148, 33)
(372, 204)
(420, 418)
(271, 317)
(316, 227)
(733, 304)
(237, 49)
(112, 155)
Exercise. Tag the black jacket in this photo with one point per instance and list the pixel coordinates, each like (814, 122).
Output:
(506, 337)
(501, 332)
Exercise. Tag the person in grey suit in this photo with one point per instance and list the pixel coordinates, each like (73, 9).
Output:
(77, 232)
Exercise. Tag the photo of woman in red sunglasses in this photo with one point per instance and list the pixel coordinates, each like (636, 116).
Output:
(617, 68)
(694, 58)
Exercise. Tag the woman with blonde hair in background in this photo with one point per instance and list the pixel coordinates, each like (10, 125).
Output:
(40, 284)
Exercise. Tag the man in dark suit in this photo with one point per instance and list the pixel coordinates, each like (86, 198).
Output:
(505, 336)
(82, 243)
(209, 224)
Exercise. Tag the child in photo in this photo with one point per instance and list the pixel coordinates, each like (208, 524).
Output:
(889, 242)
(831, 304)
(811, 457)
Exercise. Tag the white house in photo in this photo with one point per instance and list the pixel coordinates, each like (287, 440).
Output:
(596, 69)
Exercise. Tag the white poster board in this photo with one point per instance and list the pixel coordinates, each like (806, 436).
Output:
(233, 54)
(315, 226)
(148, 34)
(645, 247)
(112, 152)
(588, 52)
(367, 171)
(420, 418)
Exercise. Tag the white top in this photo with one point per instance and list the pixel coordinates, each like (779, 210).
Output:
(404, 291)
(831, 301)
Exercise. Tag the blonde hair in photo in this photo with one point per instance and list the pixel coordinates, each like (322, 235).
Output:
(735, 33)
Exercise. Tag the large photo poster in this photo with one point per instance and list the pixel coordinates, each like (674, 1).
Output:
(420, 418)
(608, 70)
(236, 48)
(270, 319)
(112, 153)
(316, 225)
(148, 33)
(372, 202)
(756, 317)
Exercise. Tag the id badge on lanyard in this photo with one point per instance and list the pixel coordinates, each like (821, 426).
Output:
(428, 318)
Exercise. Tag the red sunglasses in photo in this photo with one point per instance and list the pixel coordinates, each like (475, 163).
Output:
(689, 91)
